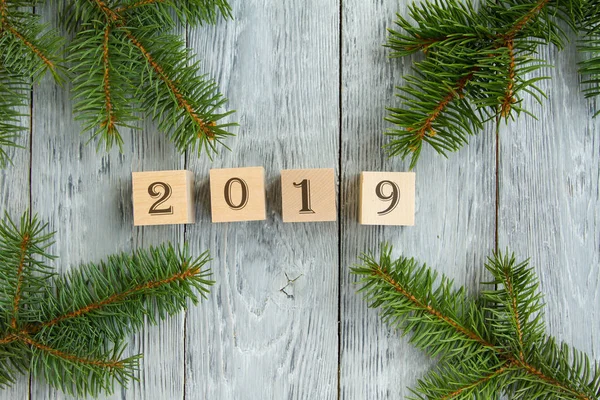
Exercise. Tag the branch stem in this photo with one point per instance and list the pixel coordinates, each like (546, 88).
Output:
(521, 22)
(494, 374)
(141, 3)
(427, 127)
(109, 122)
(515, 311)
(34, 49)
(181, 99)
(112, 364)
(432, 311)
(117, 298)
(20, 269)
(509, 98)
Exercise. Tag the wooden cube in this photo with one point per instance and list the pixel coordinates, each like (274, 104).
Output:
(387, 198)
(308, 195)
(163, 197)
(237, 194)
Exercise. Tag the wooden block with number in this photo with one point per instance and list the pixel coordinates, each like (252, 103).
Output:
(237, 194)
(387, 198)
(308, 195)
(163, 197)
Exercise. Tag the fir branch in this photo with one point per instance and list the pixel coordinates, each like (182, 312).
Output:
(23, 273)
(29, 50)
(161, 79)
(524, 20)
(71, 328)
(12, 99)
(34, 48)
(481, 58)
(489, 346)
(590, 44)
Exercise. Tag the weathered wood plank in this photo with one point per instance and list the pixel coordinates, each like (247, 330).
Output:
(455, 207)
(260, 336)
(269, 329)
(550, 178)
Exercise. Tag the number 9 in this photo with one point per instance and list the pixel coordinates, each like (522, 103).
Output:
(393, 197)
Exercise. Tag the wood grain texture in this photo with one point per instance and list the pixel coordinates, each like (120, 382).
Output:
(310, 81)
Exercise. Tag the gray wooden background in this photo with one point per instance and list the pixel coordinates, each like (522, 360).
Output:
(310, 80)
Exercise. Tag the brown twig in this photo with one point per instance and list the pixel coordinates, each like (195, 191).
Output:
(500, 371)
(521, 22)
(8, 339)
(109, 123)
(109, 12)
(37, 51)
(135, 5)
(427, 128)
(20, 269)
(113, 364)
(118, 297)
(3, 8)
(181, 100)
(511, 293)
(509, 93)
(432, 311)
(508, 42)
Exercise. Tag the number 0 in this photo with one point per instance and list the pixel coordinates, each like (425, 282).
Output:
(227, 193)
(394, 196)
(154, 193)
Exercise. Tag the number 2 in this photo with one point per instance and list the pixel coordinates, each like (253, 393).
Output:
(394, 196)
(154, 193)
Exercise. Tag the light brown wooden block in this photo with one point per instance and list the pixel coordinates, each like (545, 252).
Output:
(308, 195)
(237, 194)
(163, 197)
(387, 198)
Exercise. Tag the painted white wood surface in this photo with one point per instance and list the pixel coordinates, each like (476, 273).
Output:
(310, 82)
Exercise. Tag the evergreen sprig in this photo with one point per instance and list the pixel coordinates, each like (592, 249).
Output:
(72, 329)
(28, 49)
(478, 63)
(487, 346)
(125, 62)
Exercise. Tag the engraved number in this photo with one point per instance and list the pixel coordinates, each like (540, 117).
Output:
(393, 197)
(155, 193)
(243, 200)
(305, 185)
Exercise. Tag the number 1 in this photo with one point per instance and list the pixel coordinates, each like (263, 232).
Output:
(305, 185)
